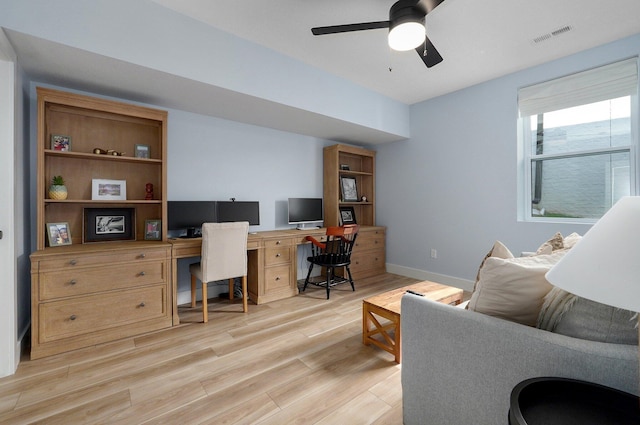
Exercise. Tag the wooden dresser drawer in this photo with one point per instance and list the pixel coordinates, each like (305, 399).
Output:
(94, 313)
(278, 255)
(275, 243)
(368, 260)
(369, 240)
(101, 259)
(87, 280)
(277, 278)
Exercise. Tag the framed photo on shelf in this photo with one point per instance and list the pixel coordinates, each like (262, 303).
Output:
(349, 189)
(347, 216)
(60, 143)
(152, 230)
(142, 151)
(108, 190)
(58, 234)
(109, 224)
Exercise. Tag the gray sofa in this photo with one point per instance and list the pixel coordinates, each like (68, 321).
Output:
(459, 366)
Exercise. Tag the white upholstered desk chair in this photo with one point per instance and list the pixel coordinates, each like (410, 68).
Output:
(224, 256)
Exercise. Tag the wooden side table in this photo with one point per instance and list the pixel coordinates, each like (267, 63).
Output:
(387, 306)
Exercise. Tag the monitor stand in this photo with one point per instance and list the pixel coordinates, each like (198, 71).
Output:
(302, 226)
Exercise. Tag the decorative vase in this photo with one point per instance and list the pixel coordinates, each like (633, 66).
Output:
(58, 191)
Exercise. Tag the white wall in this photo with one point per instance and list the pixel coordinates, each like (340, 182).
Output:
(453, 185)
(215, 159)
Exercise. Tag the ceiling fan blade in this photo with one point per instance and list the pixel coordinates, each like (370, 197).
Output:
(334, 29)
(429, 5)
(428, 53)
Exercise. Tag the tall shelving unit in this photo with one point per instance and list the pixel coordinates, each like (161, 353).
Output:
(98, 123)
(85, 293)
(361, 166)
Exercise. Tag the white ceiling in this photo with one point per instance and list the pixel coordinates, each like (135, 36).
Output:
(479, 40)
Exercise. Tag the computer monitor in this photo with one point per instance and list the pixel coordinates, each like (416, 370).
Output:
(190, 215)
(229, 211)
(304, 211)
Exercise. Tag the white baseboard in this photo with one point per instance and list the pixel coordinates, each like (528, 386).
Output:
(457, 282)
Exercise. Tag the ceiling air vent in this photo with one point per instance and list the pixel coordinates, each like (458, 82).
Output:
(544, 37)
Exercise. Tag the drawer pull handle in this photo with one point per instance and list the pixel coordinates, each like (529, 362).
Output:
(142, 255)
(142, 304)
(278, 242)
(73, 282)
(141, 273)
(278, 255)
(73, 262)
(277, 278)
(73, 317)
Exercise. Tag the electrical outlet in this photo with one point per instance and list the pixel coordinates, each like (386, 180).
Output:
(434, 253)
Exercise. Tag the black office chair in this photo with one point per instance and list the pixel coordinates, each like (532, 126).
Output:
(334, 252)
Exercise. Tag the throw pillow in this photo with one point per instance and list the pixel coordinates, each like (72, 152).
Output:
(497, 250)
(577, 317)
(513, 288)
(555, 304)
(571, 240)
(553, 244)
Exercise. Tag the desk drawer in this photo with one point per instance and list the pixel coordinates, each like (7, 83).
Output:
(277, 278)
(94, 313)
(275, 243)
(279, 255)
(82, 281)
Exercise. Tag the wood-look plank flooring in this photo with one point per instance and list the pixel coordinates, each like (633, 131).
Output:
(294, 361)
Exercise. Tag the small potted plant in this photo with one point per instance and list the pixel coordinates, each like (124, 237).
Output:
(57, 190)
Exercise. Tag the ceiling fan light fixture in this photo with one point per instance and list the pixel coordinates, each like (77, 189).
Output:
(406, 36)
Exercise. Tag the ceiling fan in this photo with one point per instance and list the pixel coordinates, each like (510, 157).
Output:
(406, 28)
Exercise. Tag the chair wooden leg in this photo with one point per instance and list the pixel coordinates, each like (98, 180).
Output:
(205, 310)
(245, 295)
(353, 288)
(193, 291)
(232, 282)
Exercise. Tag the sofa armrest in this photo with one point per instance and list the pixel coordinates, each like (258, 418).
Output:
(459, 366)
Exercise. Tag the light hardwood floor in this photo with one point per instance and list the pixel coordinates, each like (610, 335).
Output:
(299, 360)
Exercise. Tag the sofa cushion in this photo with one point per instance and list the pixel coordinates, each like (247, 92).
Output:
(567, 314)
(513, 288)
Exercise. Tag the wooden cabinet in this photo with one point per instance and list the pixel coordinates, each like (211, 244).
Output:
(272, 269)
(92, 123)
(350, 162)
(368, 257)
(83, 295)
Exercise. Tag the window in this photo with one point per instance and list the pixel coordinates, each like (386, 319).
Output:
(578, 139)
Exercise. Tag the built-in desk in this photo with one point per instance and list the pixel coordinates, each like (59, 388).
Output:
(272, 272)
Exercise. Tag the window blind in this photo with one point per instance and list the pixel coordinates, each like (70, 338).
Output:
(606, 82)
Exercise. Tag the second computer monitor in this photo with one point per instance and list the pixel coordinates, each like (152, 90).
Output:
(229, 211)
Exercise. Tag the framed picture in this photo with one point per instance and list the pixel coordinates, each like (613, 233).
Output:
(152, 230)
(109, 224)
(347, 216)
(142, 151)
(108, 190)
(349, 189)
(58, 234)
(344, 167)
(60, 143)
